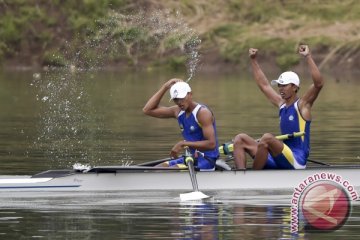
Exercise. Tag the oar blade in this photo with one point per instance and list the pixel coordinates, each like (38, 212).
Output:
(191, 196)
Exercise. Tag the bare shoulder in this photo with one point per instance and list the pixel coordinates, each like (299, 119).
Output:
(204, 114)
(305, 109)
(175, 110)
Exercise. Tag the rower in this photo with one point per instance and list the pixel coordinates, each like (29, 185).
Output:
(295, 116)
(196, 122)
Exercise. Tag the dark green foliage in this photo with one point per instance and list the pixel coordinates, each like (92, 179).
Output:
(43, 28)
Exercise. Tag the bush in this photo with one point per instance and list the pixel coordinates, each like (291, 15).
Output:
(54, 58)
(176, 63)
(10, 32)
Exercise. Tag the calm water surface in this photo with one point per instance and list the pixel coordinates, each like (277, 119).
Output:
(95, 118)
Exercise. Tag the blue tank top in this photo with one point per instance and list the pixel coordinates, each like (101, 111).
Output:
(192, 131)
(291, 121)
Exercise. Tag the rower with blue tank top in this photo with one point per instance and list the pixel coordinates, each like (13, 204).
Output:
(294, 114)
(196, 122)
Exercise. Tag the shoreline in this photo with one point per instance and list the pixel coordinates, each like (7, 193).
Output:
(206, 65)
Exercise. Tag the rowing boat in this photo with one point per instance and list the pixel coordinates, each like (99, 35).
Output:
(124, 178)
(147, 177)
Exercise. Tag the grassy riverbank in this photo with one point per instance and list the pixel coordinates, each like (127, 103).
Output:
(42, 33)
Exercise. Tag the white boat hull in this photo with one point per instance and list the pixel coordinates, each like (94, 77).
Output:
(124, 179)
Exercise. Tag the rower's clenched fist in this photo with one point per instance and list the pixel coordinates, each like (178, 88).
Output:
(252, 52)
(304, 50)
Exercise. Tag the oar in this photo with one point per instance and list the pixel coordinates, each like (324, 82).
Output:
(195, 194)
(318, 162)
(228, 148)
(154, 162)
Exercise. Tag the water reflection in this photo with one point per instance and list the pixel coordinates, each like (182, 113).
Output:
(214, 220)
(198, 221)
(134, 221)
(144, 215)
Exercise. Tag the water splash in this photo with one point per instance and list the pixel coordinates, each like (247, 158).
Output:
(141, 35)
(194, 57)
(68, 132)
(64, 117)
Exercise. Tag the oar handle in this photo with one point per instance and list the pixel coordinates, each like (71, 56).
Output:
(228, 148)
(289, 136)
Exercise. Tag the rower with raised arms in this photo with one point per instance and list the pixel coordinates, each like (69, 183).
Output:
(196, 122)
(294, 114)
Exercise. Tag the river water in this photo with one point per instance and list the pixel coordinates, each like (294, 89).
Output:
(58, 119)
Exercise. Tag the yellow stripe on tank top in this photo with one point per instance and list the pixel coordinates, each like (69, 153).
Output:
(288, 154)
(302, 123)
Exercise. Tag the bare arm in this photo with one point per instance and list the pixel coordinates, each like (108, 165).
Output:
(152, 107)
(312, 93)
(262, 81)
(206, 119)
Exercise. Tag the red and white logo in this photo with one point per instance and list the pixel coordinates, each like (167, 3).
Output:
(325, 206)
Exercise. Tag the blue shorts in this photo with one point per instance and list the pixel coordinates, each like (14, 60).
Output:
(286, 160)
(202, 163)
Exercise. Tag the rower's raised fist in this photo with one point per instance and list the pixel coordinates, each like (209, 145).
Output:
(304, 50)
(253, 52)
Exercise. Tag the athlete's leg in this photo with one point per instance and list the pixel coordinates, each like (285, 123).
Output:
(288, 159)
(268, 144)
(175, 163)
(243, 144)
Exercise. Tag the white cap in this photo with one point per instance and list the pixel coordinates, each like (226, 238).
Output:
(179, 90)
(286, 78)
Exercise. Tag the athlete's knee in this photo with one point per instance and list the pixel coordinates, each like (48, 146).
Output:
(240, 139)
(266, 139)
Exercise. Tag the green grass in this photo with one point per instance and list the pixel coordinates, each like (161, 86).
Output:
(45, 28)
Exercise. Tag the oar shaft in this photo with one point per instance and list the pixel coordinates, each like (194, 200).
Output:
(196, 194)
(318, 162)
(154, 162)
(192, 173)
